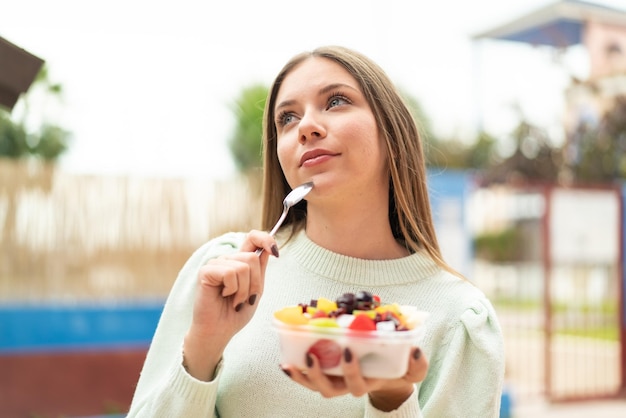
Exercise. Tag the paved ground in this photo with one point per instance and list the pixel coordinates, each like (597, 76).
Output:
(593, 409)
(579, 367)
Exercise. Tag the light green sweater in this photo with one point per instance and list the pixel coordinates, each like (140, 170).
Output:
(462, 340)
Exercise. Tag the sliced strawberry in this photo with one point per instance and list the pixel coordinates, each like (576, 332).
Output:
(363, 322)
(327, 352)
(320, 314)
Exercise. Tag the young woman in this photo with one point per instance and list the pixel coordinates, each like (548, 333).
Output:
(334, 118)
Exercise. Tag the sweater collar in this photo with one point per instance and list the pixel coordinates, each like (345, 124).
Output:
(320, 261)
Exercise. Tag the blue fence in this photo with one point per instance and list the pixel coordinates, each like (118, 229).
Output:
(53, 327)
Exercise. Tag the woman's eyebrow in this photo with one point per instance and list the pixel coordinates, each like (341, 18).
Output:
(285, 103)
(335, 86)
(323, 90)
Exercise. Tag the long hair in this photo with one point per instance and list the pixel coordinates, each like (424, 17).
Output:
(409, 205)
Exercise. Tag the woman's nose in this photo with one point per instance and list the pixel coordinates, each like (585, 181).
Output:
(311, 127)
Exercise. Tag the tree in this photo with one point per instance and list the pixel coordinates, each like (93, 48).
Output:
(245, 143)
(534, 160)
(482, 153)
(48, 141)
(456, 154)
(13, 143)
(450, 153)
(419, 115)
(600, 150)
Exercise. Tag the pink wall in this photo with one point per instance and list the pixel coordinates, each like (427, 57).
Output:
(601, 41)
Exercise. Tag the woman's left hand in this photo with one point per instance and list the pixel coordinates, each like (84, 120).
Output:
(385, 394)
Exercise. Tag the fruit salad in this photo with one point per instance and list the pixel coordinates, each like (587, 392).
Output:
(362, 311)
(380, 335)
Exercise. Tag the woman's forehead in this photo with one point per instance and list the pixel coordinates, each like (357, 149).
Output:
(314, 73)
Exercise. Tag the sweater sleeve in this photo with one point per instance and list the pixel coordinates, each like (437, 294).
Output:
(466, 373)
(180, 395)
(164, 388)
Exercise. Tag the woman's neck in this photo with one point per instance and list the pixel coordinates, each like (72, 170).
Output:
(363, 233)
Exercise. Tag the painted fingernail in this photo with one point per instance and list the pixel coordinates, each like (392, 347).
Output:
(309, 361)
(252, 299)
(347, 355)
(287, 372)
(275, 251)
(417, 354)
(239, 307)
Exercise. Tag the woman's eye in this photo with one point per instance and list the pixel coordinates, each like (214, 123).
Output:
(284, 118)
(337, 101)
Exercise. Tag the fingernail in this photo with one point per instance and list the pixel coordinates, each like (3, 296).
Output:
(238, 307)
(309, 361)
(275, 251)
(252, 299)
(347, 355)
(287, 372)
(417, 354)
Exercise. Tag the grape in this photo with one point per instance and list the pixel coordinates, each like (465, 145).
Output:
(364, 300)
(347, 302)
(327, 352)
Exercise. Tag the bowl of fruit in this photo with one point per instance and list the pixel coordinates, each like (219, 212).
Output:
(379, 335)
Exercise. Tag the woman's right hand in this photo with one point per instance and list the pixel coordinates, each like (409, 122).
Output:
(228, 289)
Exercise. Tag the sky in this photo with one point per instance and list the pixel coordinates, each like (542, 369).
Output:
(148, 84)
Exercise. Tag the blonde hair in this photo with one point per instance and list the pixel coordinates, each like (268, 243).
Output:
(409, 206)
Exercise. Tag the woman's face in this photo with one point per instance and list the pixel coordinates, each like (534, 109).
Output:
(326, 131)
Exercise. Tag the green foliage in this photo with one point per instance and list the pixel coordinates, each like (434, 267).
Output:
(601, 332)
(419, 115)
(501, 246)
(52, 142)
(534, 158)
(455, 154)
(245, 143)
(482, 153)
(450, 153)
(601, 149)
(48, 142)
(13, 142)
(43, 79)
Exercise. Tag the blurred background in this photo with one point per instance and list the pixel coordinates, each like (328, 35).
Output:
(130, 134)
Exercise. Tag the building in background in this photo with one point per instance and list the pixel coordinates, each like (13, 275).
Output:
(601, 31)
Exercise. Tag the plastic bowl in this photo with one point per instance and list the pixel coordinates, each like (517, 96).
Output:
(381, 354)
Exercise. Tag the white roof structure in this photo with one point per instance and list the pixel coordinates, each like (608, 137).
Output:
(560, 24)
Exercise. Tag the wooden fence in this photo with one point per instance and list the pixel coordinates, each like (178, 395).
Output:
(67, 237)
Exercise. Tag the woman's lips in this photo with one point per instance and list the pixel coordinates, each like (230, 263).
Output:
(315, 157)
(316, 160)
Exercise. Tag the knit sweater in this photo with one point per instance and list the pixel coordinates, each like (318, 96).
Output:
(462, 340)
